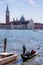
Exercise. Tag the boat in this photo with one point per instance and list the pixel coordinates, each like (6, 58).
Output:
(25, 57)
(7, 57)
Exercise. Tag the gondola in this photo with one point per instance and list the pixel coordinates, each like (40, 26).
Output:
(24, 57)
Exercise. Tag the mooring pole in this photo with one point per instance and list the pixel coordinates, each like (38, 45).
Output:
(5, 42)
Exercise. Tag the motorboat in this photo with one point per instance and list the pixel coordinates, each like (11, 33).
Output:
(7, 57)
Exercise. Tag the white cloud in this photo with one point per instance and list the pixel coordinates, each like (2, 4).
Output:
(33, 2)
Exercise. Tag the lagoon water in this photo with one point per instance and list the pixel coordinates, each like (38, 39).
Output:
(33, 39)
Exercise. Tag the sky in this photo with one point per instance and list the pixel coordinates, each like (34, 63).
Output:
(30, 9)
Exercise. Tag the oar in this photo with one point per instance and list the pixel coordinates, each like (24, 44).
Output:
(37, 51)
(38, 47)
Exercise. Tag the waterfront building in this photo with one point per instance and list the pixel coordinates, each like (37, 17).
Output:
(16, 24)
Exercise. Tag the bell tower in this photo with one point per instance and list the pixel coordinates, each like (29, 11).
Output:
(7, 15)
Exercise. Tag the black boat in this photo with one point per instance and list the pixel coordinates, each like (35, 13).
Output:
(28, 55)
(24, 57)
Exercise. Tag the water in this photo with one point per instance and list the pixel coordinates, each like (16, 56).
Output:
(15, 40)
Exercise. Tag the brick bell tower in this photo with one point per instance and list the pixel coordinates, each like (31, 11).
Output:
(7, 15)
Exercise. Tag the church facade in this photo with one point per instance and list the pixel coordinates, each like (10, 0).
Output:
(16, 24)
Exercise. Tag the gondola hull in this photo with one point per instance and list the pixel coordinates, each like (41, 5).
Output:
(24, 57)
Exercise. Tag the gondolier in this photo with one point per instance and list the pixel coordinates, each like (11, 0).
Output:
(24, 49)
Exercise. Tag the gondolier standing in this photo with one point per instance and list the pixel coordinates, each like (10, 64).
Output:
(24, 49)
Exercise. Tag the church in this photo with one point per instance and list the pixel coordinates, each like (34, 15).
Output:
(16, 24)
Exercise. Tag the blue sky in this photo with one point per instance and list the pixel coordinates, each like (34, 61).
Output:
(29, 8)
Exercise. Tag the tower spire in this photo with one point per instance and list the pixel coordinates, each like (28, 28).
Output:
(7, 10)
(7, 7)
(7, 15)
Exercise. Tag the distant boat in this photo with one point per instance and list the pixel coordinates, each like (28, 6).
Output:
(7, 57)
(12, 26)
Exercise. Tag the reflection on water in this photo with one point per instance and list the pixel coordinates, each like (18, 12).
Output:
(15, 41)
